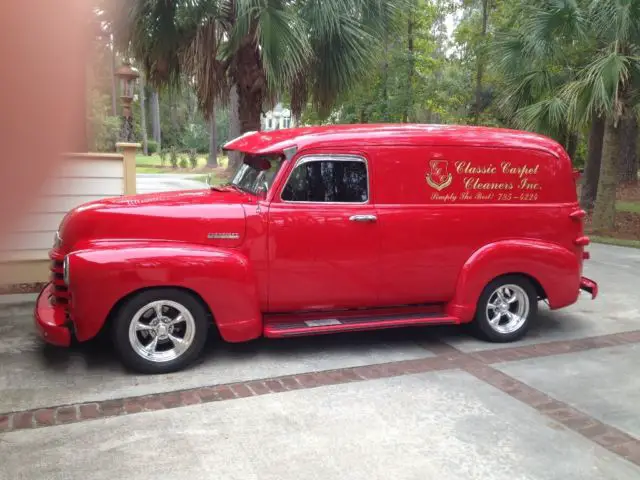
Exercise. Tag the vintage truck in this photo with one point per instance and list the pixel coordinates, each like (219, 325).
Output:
(323, 230)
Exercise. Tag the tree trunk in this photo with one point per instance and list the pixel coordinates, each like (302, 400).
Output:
(114, 85)
(212, 161)
(155, 119)
(572, 144)
(592, 168)
(143, 118)
(363, 116)
(405, 116)
(605, 209)
(249, 76)
(249, 109)
(173, 111)
(385, 79)
(234, 127)
(192, 106)
(480, 60)
(628, 168)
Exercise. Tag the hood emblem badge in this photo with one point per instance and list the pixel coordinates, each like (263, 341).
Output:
(223, 236)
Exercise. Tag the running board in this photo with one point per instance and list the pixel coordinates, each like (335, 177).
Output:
(321, 326)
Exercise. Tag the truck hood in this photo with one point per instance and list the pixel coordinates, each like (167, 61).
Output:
(208, 217)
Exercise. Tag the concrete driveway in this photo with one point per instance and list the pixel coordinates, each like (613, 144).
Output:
(400, 404)
(164, 182)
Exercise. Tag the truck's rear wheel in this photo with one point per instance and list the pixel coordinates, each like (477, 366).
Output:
(505, 308)
(160, 330)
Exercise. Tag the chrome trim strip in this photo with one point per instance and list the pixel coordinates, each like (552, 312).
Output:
(223, 236)
(333, 157)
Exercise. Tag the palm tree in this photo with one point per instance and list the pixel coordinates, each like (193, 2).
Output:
(314, 49)
(609, 85)
(551, 49)
(537, 58)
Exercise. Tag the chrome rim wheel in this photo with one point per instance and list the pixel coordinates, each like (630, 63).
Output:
(507, 309)
(162, 331)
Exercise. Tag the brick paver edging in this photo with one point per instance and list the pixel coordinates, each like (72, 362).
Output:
(446, 358)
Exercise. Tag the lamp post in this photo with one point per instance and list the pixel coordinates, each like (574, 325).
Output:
(127, 75)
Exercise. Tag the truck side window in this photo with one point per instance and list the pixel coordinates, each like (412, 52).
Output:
(318, 179)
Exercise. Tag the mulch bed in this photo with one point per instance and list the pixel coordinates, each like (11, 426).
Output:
(627, 224)
(629, 193)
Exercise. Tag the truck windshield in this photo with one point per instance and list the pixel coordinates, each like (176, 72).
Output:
(255, 172)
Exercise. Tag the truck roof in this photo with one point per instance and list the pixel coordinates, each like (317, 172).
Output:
(276, 141)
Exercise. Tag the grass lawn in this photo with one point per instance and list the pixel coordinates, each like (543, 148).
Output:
(631, 207)
(621, 242)
(153, 164)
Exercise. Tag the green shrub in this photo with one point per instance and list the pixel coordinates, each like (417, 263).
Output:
(193, 158)
(173, 157)
(106, 130)
(184, 163)
(163, 157)
(152, 147)
(196, 136)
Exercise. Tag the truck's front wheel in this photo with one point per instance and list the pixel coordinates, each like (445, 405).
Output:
(160, 330)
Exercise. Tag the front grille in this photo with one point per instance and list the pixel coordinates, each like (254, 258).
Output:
(60, 291)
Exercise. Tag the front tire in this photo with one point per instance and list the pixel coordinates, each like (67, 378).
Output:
(160, 331)
(506, 308)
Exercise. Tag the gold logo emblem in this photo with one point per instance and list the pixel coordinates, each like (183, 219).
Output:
(439, 177)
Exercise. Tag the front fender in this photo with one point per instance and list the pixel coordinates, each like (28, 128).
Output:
(555, 268)
(100, 276)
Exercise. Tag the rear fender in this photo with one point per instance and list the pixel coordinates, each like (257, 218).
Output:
(101, 276)
(555, 268)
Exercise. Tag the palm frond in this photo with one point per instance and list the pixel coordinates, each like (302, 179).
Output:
(615, 21)
(598, 87)
(284, 46)
(526, 89)
(346, 37)
(508, 53)
(551, 25)
(547, 116)
(201, 60)
(155, 31)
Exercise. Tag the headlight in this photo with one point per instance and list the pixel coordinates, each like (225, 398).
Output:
(65, 270)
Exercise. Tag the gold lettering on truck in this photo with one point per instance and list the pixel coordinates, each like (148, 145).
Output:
(474, 183)
(508, 181)
(469, 168)
(520, 171)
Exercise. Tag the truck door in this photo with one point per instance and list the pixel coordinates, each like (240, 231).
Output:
(323, 236)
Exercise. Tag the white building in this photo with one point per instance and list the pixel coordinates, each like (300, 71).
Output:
(277, 118)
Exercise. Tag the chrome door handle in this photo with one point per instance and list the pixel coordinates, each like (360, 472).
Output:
(363, 218)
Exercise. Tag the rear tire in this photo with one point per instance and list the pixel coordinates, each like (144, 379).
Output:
(160, 331)
(506, 308)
